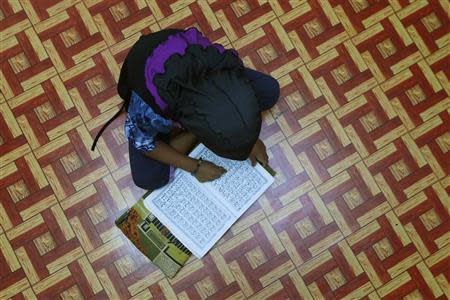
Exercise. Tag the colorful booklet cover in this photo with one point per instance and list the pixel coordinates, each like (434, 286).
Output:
(153, 239)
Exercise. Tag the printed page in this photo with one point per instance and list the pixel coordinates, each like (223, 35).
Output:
(240, 186)
(190, 212)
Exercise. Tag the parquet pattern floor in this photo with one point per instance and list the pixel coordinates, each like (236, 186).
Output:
(360, 140)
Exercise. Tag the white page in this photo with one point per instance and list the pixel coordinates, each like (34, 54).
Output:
(240, 186)
(231, 195)
(187, 209)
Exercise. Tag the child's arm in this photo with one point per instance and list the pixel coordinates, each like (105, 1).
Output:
(167, 154)
(175, 152)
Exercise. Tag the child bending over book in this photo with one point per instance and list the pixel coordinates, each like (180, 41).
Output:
(180, 89)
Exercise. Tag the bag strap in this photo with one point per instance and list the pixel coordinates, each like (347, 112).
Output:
(124, 92)
(106, 125)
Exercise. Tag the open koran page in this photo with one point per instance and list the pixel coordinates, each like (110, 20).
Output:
(199, 214)
(240, 186)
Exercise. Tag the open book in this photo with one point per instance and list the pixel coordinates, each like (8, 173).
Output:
(198, 214)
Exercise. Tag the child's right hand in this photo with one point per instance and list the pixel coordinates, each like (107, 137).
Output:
(209, 171)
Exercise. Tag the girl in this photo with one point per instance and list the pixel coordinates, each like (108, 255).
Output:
(180, 89)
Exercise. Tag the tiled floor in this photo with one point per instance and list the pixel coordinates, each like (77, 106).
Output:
(360, 140)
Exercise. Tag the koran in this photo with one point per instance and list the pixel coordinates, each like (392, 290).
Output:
(198, 214)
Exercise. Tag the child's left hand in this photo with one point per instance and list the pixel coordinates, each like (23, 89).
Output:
(258, 153)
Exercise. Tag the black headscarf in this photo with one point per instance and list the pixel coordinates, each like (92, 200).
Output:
(207, 93)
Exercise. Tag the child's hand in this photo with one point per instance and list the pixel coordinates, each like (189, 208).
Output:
(259, 153)
(209, 171)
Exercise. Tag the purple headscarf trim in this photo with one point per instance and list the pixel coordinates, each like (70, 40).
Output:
(176, 43)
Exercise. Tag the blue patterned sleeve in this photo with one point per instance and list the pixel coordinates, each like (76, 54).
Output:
(143, 124)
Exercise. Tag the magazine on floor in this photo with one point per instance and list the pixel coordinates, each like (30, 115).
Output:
(153, 239)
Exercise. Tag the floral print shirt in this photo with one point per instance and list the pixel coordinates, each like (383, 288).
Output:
(143, 124)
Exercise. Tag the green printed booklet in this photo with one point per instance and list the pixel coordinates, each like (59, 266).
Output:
(187, 216)
(153, 239)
